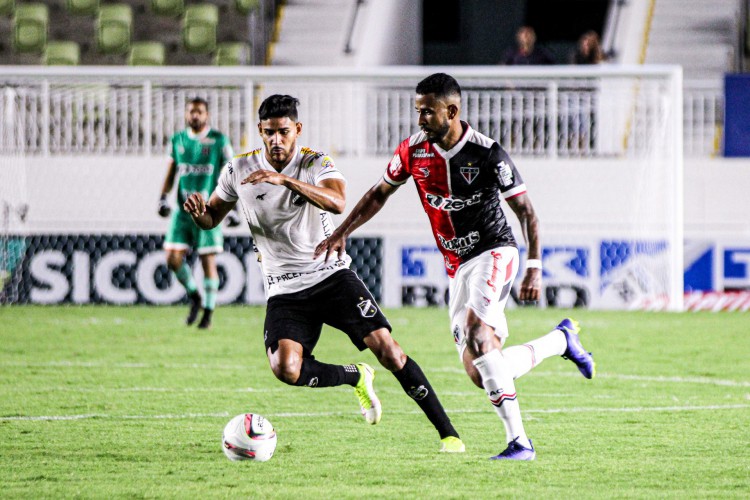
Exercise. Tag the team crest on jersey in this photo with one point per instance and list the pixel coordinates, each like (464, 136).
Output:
(469, 173)
(327, 162)
(367, 308)
(425, 171)
(505, 173)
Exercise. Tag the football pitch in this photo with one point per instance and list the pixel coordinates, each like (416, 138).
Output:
(128, 402)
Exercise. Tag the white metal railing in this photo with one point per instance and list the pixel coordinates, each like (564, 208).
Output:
(544, 112)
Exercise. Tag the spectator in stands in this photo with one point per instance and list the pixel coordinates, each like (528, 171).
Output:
(588, 50)
(197, 155)
(527, 53)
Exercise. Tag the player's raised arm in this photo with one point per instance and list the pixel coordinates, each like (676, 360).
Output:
(532, 278)
(207, 215)
(366, 208)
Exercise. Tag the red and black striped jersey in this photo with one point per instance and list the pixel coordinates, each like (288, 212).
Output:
(461, 191)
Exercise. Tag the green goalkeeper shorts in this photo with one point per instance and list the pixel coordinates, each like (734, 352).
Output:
(184, 234)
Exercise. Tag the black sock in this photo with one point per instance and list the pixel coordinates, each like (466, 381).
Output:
(316, 374)
(417, 386)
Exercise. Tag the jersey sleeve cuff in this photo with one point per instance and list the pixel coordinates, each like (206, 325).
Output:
(224, 195)
(393, 182)
(516, 191)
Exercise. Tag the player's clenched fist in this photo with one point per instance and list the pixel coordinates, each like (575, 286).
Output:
(195, 205)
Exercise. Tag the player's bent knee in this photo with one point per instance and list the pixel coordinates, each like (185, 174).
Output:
(287, 372)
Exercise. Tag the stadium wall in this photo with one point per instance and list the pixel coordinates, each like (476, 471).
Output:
(81, 206)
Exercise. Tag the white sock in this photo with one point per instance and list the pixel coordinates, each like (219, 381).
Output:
(498, 382)
(522, 358)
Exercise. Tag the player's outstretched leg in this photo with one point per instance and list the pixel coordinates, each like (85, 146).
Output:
(195, 307)
(562, 341)
(574, 350)
(416, 386)
(369, 403)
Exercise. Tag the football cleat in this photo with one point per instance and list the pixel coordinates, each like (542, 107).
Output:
(368, 400)
(195, 307)
(452, 444)
(205, 323)
(575, 351)
(516, 451)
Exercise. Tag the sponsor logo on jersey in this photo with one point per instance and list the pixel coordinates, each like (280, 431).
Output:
(367, 308)
(205, 150)
(422, 153)
(230, 168)
(462, 245)
(451, 204)
(469, 172)
(313, 382)
(505, 173)
(298, 200)
(189, 168)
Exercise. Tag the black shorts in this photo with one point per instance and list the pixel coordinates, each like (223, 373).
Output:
(341, 301)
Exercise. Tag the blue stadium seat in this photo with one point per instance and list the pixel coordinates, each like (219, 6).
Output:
(199, 28)
(30, 27)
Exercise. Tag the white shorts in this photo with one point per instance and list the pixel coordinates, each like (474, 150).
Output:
(482, 284)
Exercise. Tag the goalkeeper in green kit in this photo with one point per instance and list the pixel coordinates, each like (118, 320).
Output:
(197, 155)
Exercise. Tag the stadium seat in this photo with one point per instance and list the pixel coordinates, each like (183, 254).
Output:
(172, 8)
(232, 54)
(246, 6)
(199, 28)
(61, 54)
(147, 54)
(30, 27)
(113, 28)
(83, 7)
(7, 7)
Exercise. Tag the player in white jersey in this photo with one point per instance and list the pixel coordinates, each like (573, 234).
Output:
(288, 194)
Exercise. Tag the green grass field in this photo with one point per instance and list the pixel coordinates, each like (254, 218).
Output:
(127, 402)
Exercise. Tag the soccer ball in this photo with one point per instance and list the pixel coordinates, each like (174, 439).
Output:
(249, 436)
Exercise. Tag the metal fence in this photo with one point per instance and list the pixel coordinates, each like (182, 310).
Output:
(543, 112)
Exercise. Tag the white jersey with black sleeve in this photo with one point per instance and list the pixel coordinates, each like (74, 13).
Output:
(285, 227)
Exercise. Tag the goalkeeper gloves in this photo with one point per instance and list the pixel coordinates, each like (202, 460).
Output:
(164, 208)
(233, 218)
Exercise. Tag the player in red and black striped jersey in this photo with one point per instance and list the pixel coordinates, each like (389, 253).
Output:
(462, 177)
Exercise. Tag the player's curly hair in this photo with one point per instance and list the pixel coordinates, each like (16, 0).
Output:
(440, 84)
(278, 106)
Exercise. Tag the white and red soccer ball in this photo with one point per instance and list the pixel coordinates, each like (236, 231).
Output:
(249, 436)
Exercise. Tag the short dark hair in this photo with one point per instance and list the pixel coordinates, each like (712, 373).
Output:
(440, 84)
(278, 106)
(199, 100)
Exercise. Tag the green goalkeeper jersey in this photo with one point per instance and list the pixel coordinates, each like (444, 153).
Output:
(198, 159)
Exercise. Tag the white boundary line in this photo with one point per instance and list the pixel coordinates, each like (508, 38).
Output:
(613, 376)
(638, 409)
